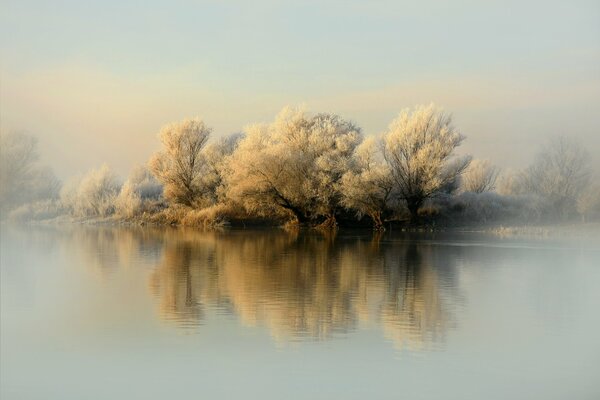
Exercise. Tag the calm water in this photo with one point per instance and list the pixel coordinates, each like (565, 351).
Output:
(116, 313)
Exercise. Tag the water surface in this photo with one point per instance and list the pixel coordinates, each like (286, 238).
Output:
(123, 313)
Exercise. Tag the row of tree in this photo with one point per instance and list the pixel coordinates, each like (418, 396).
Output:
(311, 169)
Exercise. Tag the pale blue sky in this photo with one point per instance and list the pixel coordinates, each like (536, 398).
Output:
(96, 80)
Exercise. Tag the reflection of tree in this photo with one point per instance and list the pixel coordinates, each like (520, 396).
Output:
(413, 313)
(298, 284)
(183, 276)
(304, 285)
(294, 286)
(103, 249)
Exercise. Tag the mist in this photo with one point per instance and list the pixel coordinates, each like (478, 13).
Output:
(93, 94)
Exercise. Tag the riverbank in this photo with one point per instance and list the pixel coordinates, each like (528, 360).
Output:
(590, 230)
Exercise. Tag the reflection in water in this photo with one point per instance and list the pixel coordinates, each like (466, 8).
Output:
(304, 285)
(299, 285)
(161, 312)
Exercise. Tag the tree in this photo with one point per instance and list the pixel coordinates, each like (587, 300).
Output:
(368, 187)
(22, 179)
(419, 149)
(480, 176)
(216, 155)
(588, 202)
(560, 172)
(140, 186)
(93, 195)
(293, 166)
(510, 183)
(180, 166)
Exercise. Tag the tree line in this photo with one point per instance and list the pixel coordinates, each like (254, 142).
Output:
(310, 169)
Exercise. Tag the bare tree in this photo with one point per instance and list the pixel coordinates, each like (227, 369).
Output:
(419, 148)
(22, 179)
(588, 203)
(480, 176)
(559, 173)
(180, 166)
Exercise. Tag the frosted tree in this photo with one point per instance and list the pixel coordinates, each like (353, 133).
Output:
(588, 202)
(141, 186)
(18, 156)
(216, 155)
(293, 166)
(22, 179)
(92, 195)
(368, 187)
(559, 173)
(510, 182)
(129, 202)
(419, 149)
(480, 176)
(181, 166)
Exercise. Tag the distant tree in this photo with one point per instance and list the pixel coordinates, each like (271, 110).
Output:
(588, 202)
(180, 166)
(480, 176)
(367, 188)
(510, 182)
(294, 165)
(560, 172)
(92, 195)
(419, 148)
(22, 179)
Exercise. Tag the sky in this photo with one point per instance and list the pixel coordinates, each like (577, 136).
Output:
(96, 80)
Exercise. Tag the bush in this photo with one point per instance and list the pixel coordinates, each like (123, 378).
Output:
(37, 211)
(210, 216)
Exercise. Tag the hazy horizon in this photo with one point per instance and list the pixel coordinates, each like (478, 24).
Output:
(95, 83)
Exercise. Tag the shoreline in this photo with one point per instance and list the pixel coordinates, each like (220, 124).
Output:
(588, 230)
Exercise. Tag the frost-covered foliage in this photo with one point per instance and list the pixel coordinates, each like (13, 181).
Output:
(216, 156)
(480, 176)
(141, 187)
(293, 165)
(419, 148)
(92, 195)
(510, 182)
(367, 188)
(560, 172)
(588, 203)
(22, 179)
(180, 165)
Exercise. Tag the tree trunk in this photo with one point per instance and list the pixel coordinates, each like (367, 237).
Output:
(413, 207)
(377, 221)
(329, 223)
(301, 220)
